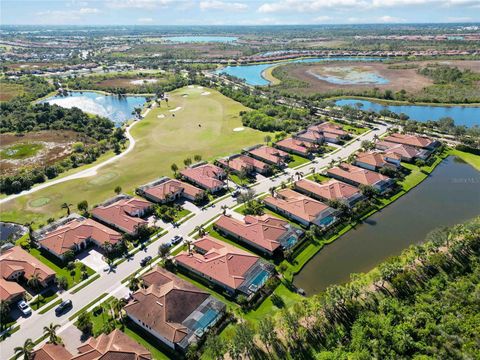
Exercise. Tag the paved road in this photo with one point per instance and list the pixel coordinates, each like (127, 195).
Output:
(111, 282)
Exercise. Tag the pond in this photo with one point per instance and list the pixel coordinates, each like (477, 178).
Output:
(252, 74)
(450, 195)
(201, 39)
(116, 108)
(462, 115)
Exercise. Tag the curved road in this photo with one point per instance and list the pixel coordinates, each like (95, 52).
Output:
(84, 173)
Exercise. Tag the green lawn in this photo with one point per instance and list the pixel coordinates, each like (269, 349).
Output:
(351, 129)
(203, 125)
(181, 214)
(469, 158)
(297, 161)
(20, 151)
(43, 299)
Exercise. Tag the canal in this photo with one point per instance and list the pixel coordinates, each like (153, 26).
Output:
(449, 196)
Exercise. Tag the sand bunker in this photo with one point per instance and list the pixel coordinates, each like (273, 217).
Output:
(143, 81)
(190, 86)
(238, 129)
(199, 87)
(185, 95)
(176, 109)
(161, 116)
(205, 93)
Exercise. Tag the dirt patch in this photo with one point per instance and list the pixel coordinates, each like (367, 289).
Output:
(55, 145)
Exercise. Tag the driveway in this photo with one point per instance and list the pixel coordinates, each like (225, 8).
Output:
(93, 259)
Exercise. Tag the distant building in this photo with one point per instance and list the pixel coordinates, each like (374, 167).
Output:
(311, 136)
(329, 190)
(296, 146)
(74, 233)
(417, 141)
(331, 132)
(374, 160)
(265, 233)
(269, 154)
(405, 152)
(301, 208)
(224, 265)
(239, 163)
(165, 190)
(207, 176)
(123, 213)
(358, 176)
(173, 310)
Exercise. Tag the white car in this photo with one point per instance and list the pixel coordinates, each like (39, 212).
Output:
(24, 308)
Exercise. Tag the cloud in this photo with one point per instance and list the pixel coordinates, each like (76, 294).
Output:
(322, 19)
(222, 5)
(139, 4)
(89, 11)
(459, 19)
(145, 20)
(65, 16)
(390, 19)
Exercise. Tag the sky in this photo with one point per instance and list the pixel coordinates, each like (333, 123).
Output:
(235, 12)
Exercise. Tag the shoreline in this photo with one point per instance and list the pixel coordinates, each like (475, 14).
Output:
(401, 103)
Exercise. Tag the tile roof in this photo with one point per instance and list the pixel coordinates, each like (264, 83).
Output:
(163, 190)
(9, 289)
(331, 189)
(409, 139)
(312, 135)
(206, 175)
(241, 162)
(121, 213)
(115, 345)
(166, 303)
(64, 237)
(297, 204)
(375, 159)
(265, 230)
(17, 259)
(357, 174)
(52, 352)
(406, 151)
(295, 145)
(269, 153)
(328, 127)
(222, 262)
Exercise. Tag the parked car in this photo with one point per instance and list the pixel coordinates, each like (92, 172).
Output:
(145, 260)
(24, 308)
(64, 306)
(176, 239)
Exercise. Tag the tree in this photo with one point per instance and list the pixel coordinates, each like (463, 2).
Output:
(215, 347)
(163, 251)
(66, 206)
(243, 338)
(25, 351)
(267, 139)
(224, 209)
(4, 310)
(368, 191)
(272, 190)
(34, 281)
(117, 190)
(82, 206)
(84, 323)
(51, 333)
(197, 157)
(62, 282)
(201, 230)
(187, 162)
(174, 168)
(266, 332)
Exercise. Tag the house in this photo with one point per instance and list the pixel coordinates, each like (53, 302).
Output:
(123, 213)
(17, 264)
(206, 176)
(331, 132)
(238, 163)
(310, 136)
(374, 160)
(165, 190)
(172, 310)
(115, 345)
(296, 146)
(51, 352)
(301, 208)
(406, 152)
(269, 155)
(417, 141)
(329, 190)
(265, 233)
(226, 266)
(74, 233)
(358, 176)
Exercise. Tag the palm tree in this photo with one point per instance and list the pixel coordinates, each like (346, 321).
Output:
(51, 333)
(26, 350)
(272, 190)
(4, 310)
(201, 230)
(189, 246)
(117, 190)
(224, 209)
(67, 207)
(174, 168)
(34, 281)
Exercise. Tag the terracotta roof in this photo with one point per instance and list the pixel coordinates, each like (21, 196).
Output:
(331, 190)
(375, 159)
(409, 139)
(206, 175)
(297, 204)
(52, 352)
(172, 186)
(265, 230)
(357, 174)
(311, 135)
(241, 162)
(9, 289)
(64, 237)
(406, 151)
(166, 304)
(122, 213)
(222, 262)
(17, 259)
(328, 127)
(115, 345)
(295, 145)
(269, 153)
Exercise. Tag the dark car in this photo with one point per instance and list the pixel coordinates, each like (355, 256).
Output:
(145, 260)
(64, 305)
(176, 239)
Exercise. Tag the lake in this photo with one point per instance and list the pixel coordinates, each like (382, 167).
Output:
(463, 115)
(252, 74)
(201, 39)
(116, 108)
(450, 195)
